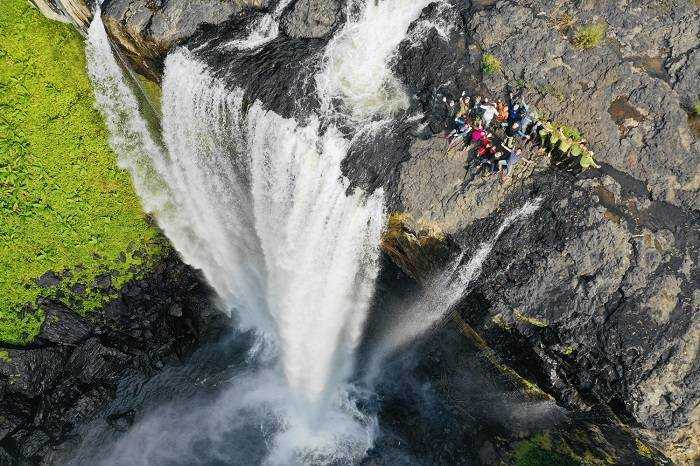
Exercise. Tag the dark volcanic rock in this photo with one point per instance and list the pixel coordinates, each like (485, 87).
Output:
(649, 137)
(72, 369)
(312, 18)
(63, 326)
(103, 282)
(48, 280)
(145, 30)
(279, 74)
(600, 305)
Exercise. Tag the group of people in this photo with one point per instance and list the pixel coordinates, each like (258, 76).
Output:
(473, 122)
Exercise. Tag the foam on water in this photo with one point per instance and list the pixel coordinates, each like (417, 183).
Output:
(356, 59)
(263, 30)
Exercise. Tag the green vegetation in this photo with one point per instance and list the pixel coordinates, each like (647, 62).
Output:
(490, 64)
(569, 141)
(538, 451)
(590, 36)
(643, 449)
(530, 320)
(5, 356)
(65, 206)
(696, 108)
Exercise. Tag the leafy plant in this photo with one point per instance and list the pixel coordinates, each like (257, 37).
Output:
(571, 132)
(590, 36)
(490, 64)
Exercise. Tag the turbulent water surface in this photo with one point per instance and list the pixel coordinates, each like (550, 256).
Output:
(259, 204)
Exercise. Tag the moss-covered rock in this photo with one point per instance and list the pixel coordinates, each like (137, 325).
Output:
(416, 247)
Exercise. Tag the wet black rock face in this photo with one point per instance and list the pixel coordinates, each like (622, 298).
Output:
(71, 371)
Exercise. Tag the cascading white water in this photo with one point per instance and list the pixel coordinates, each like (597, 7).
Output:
(356, 59)
(440, 295)
(257, 207)
(202, 203)
(258, 203)
(263, 30)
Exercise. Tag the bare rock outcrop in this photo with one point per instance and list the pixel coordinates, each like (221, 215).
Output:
(311, 18)
(145, 30)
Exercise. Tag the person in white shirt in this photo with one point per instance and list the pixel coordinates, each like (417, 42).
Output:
(489, 112)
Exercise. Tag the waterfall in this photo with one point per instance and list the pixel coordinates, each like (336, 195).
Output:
(258, 203)
(201, 203)
(441, 294)
(355, 61)
(263, 30)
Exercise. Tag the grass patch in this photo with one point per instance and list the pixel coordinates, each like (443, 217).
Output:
(5, 356)
(590, 36)
(643, 449)
(490, 64)
(696, 108)
(538, 452)
(65, 206)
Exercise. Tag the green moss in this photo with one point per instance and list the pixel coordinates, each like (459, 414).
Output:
(153, 93)
(530, 320)
(569, 350)
(696, 108)
(501, 322)
(65, 206)
(537, 451)
(643, 449)
(5, 356)
(490, 64)
(590, 35)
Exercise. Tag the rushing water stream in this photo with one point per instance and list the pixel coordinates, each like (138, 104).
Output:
(259, 204)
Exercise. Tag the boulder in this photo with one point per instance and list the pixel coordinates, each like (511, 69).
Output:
(63, 326)
(311, 18)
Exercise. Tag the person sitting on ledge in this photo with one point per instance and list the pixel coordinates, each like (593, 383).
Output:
(460, 136)
(464, 106)
(502, 112)
(505, 166)
(489, 112)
